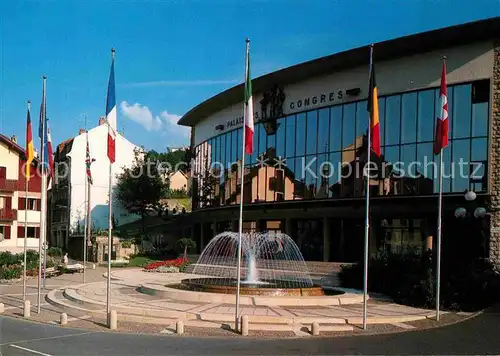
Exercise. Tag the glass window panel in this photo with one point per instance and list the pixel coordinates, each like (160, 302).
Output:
(335, 167)
(300, 138)
(479, 149)
(213, 150)
(460, 172)
(323, 127)
(408, 156)
(323, 173)
(425, 158)
(392, 119)
(290, 136)
(446, 170)
(229, 151)
(299, 188)
(409, 118)
(280, 138)
(349, 116)
(391, 154)
(336, 128)
(426, 115)
(310, 172)
(217, 149)
(362, 121)
(262, 140)
(239, 145)
(312, 132)
(222, 158)
(477, 177)
(461, 110)
(271, 141)
(480, 119)
(234, 146)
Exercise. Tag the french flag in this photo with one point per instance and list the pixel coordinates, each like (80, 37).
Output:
(111, 110)
(441, 140)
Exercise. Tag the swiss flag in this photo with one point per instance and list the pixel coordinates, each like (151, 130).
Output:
(441, 140)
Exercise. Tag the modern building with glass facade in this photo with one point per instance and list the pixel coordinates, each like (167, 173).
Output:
(305, 176)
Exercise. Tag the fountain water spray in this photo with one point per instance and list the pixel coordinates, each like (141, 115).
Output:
(269, 259)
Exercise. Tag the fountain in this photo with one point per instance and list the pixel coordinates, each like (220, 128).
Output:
(271, 264)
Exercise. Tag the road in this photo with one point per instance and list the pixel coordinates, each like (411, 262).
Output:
(477, 335)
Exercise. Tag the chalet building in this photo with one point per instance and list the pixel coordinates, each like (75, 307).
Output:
(14, 202)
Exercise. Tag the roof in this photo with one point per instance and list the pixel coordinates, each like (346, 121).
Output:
(14, 146)
(390, 49)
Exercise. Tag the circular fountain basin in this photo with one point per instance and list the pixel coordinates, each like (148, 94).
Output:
(263, 288)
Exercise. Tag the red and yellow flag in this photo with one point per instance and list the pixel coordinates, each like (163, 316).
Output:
(30, 150)
(373, 110)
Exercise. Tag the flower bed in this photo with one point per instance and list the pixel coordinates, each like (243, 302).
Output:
(169, 266)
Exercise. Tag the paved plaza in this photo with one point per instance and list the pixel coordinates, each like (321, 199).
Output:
(85, 305)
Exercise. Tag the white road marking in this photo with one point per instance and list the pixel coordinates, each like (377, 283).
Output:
(48, 338)
(29, 350)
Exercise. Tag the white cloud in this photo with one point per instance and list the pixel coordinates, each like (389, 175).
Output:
(165, 122)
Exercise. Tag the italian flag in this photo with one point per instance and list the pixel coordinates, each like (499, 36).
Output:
(248, 115)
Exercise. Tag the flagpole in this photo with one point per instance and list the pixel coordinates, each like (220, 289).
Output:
(110, 242)
(42, 209)
(86, 203)
(26, 217)
(242, 170)
(367, 213)
(438, 244)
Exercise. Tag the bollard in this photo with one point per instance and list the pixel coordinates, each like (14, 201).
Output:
(64, 319)
(2, 308)
(93, 265)
(244, 325)
(112, 320)
(315, 329)
(27, 309)
(179, 327)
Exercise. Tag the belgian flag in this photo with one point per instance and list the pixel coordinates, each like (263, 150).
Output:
(30, 150)
(373, 109)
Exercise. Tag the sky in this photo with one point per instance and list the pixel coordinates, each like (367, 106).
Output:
(172, 55)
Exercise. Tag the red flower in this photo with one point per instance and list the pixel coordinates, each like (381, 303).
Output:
(178, 262)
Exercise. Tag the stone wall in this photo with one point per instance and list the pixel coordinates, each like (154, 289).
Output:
(494, 174)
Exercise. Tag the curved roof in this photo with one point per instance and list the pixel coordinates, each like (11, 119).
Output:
(394, 48)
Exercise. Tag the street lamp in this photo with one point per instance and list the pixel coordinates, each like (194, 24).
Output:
(479, 212)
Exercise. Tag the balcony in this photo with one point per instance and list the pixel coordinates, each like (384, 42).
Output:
(8, 214)
(8, 185)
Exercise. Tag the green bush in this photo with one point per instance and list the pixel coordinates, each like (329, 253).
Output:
(8, 259)
(182, 268)
(126, 243)
(11, 272)
(54, 252)
(409, 279)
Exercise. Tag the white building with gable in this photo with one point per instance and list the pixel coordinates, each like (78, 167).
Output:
(68, 198)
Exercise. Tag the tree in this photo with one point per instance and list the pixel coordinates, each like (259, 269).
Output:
(141, 187)
(174, 160)
(186, 243)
